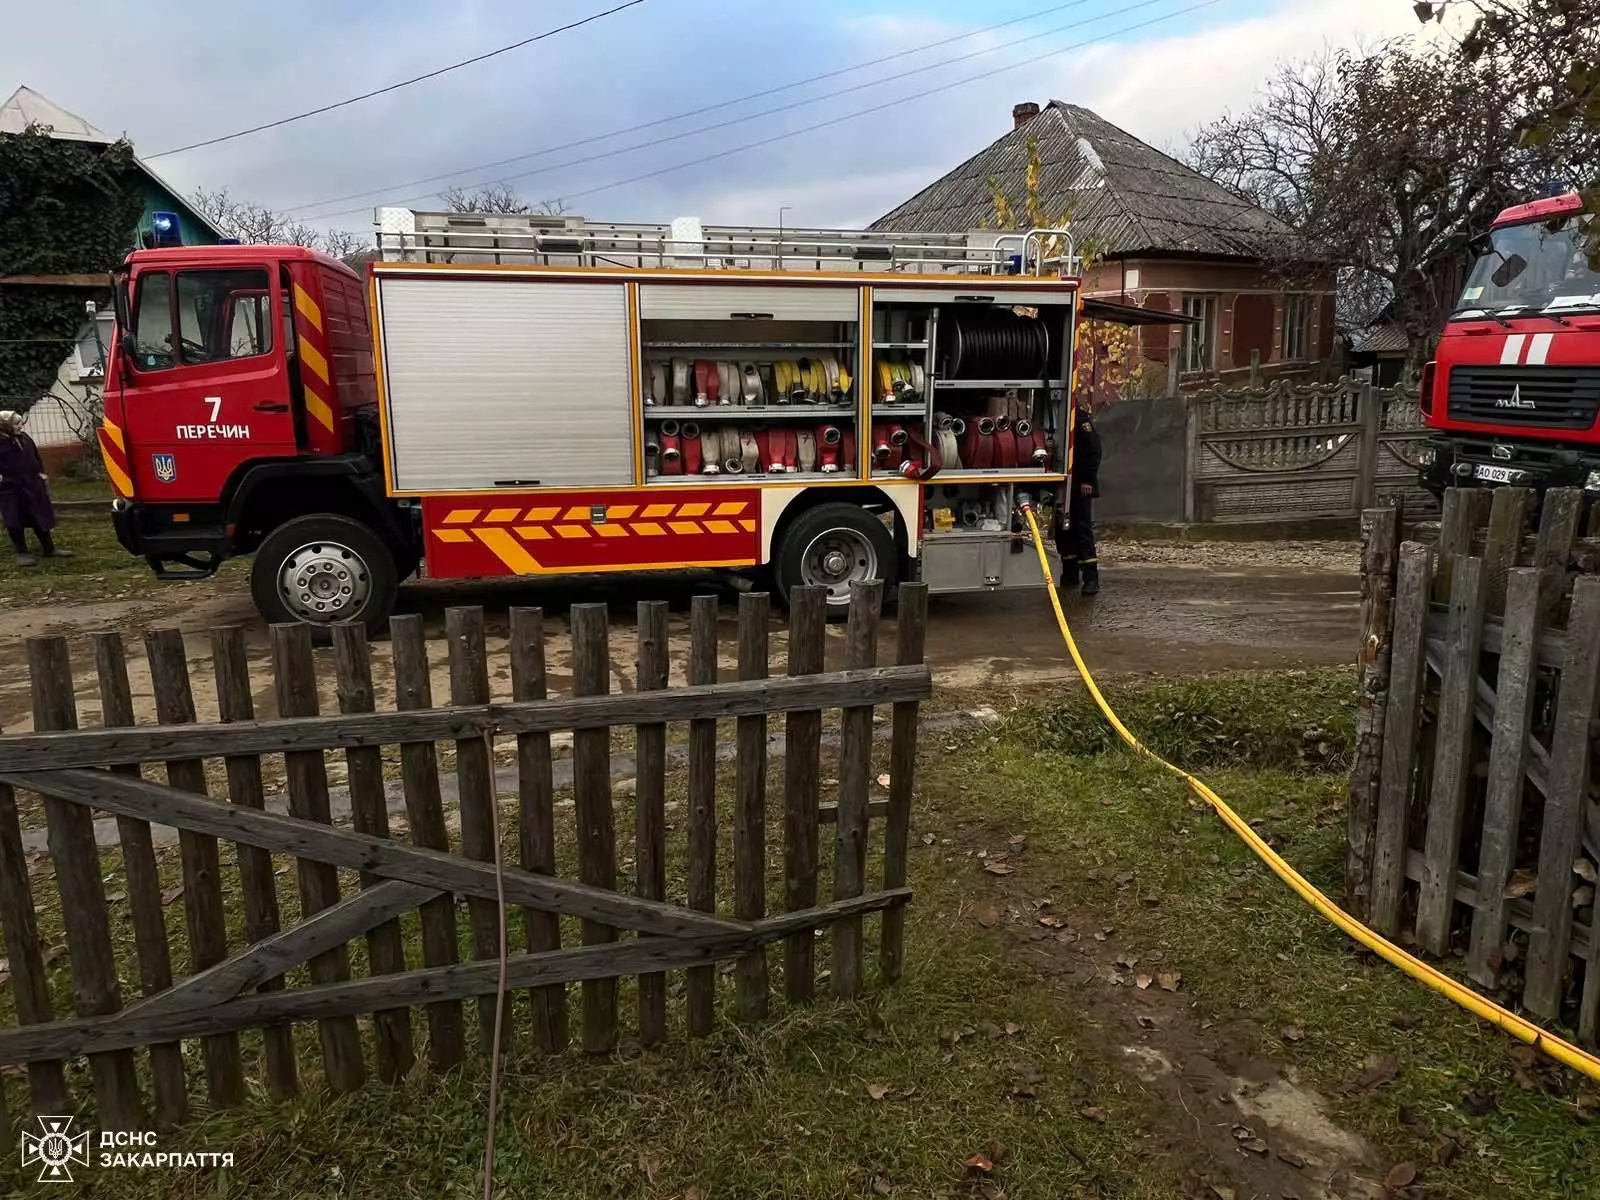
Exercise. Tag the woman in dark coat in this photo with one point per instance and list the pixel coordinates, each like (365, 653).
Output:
(25, 492)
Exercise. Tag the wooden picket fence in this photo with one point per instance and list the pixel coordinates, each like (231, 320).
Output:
(1474, 828)
(404, 909)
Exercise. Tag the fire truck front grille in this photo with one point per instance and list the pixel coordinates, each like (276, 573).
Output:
(1534, 397)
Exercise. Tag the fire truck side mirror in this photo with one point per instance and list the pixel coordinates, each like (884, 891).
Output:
(1513, 266)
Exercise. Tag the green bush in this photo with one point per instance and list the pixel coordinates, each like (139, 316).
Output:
(1289, 720)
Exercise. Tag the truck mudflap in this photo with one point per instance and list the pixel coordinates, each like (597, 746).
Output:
(583, 532)
(1497, 462)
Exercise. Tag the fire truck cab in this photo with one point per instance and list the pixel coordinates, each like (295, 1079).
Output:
(530, 396)
(1513, 393)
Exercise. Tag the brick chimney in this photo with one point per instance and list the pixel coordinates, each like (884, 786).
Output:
(1022, 113)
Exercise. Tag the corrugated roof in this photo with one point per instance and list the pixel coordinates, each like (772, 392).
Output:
(1382, 339)
(1123, 195)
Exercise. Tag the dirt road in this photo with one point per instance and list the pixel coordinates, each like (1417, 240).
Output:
(1166, 609)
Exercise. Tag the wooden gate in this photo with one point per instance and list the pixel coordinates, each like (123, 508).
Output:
(394, 912)
(1474, 825)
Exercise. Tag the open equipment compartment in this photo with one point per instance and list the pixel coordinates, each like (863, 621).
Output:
(748, 381)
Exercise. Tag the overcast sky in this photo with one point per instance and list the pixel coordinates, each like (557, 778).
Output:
(177, 71)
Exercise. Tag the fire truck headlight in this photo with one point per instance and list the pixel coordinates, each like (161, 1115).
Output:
(1592, 482)
(1427, 456)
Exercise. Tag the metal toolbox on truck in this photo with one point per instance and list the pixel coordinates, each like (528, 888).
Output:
(981, 561)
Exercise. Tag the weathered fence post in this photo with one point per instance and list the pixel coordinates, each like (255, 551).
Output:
(909, 639)
(855, 774)
(700, 983)
(1380, 529)
(750, 810)
(591, 791)
(1371, 417)
(1191, 458)
(808, 615)
(650, 799)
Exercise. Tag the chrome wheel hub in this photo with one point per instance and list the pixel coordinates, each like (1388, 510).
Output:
(835, 559)
(324, 582)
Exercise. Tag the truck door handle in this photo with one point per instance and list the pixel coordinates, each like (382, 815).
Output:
(271, 407)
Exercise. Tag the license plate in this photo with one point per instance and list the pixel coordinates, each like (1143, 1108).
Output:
(1491, 474)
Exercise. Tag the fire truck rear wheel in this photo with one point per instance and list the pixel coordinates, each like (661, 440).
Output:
(322, 570)
(833, 546)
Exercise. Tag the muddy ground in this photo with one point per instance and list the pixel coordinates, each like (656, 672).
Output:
(1165, 609)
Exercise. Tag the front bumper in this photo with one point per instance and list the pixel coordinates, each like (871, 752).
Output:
(178, 541)
(1493, 462)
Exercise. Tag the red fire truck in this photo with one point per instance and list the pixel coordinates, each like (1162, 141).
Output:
(531, 396)
(1514, 391)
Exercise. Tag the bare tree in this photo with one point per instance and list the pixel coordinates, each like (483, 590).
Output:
(497, 198)
(256, 224)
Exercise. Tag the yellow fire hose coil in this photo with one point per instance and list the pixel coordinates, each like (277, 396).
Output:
(1562, 1051)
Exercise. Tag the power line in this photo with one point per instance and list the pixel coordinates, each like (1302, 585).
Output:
(840, 119)
(721, 104)
(434, 74)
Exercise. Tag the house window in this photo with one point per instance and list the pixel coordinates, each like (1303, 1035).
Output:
(93, 343)
(1297, 312)
(1200, 339)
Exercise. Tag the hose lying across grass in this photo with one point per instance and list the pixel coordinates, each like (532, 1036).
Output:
(1562, 1051)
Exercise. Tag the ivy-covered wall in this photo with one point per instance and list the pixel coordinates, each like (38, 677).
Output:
(66, 208)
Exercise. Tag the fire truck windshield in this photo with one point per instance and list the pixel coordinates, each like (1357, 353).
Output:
(1540, 266)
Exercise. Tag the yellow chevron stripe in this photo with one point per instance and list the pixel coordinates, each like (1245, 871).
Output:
(747, 525)
(683, 527)
(721, 527)
(573, 532)
(308, 307)
(311, 357)
(659, 510)
(119, 477)
(621, 512)
(578, 512)
(318, 408)
(115, 434)
(507, 549)
(542, 514)
(732, 508)
(503, 516)
(534, 533)
(693, 510)
(462, 516)
(648, 529)
(611, 531)
(452, 535)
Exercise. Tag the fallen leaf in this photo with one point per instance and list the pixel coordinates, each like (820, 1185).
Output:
(1101, 936)
(1584, 869)
(1143, 982)
(1290, 1157)
(1123, 878)
(1091, 1112)
(1011, 1029)
(1401, 1175)
(649, 1164)
(1583, 896)
(1016, 839)
(877, 1090)
(1379, 1071)
(1243, 1133)
(1445, 1151)
(116, 897)
(989, 917)
(1170, 981)
(979, 1164)
(1223, 1193)
(882, 1186)
(1051, 921)
(170, 895)
(999, 868)
(1152, 901)
(989, 1029)
(873, 1035)
(883, 781)
(1521, 883)
(1479, 1104)
(1147, 1022)
(1126, 962)
(1255, 1146)
(928, 839)
(1292, 1033)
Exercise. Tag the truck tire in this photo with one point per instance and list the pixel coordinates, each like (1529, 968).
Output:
(324, 569)
(833, 546)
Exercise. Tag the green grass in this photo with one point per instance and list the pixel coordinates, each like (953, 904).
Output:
(99, 568)
(784, 1111)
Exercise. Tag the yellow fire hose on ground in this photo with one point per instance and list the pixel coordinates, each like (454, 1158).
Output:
(1558, 1049)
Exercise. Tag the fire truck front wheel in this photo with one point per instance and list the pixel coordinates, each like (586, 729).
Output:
(833, 546)
(324, 569)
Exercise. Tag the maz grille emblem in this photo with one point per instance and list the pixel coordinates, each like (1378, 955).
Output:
(1514, 400)
(1500, 451)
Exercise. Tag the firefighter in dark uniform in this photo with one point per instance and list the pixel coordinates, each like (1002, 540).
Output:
(1079, 562)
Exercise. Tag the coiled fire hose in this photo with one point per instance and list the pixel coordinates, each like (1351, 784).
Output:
(1557, 1048)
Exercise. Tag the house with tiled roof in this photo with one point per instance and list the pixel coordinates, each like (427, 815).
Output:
(1159, 234)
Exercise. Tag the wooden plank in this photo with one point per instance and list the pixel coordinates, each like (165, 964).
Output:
(469, 687)
(1552, 552)
(650, 813)
(320, 1002)
(142, 881)
(591, 796)
(802, 789)
(419, 779)
(1452, 760)
(337, 847)
(751, 985)
(1519, 912)
(30, 986)
(1508, 517)
(910, 638)
(1589, 1003)
(855, 773)
(369, 813)
(1464, 513)
(1508, 758)
(700, 983)
(95, 988)
(295, 683)
(236, 702)
(1400, 737)
(100, 747)
(1380, 536)
(536, 820)
(204, 915)
(1562, 835)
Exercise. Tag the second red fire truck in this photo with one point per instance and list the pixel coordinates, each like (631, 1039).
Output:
(529, 396)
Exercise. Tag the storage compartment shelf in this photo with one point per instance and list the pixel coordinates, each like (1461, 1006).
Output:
(739, 412)
(918, 409)
(996, 385)
(899, 345)
(738, 476)
(749, 345)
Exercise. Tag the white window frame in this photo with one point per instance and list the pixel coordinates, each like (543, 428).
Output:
(1200, 341)
(1298, 311)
